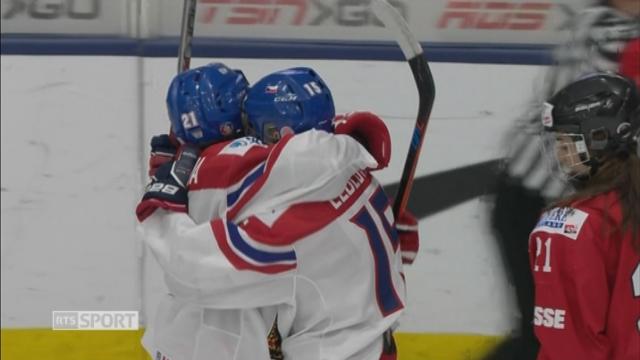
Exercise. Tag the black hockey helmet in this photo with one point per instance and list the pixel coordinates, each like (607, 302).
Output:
(604, 108)
(590, 120)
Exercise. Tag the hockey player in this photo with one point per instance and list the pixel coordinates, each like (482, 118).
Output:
(585, 250)
(598, 37)
(204, 106)
(287, 199)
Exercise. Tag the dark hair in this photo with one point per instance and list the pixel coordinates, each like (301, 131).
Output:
(619, 173)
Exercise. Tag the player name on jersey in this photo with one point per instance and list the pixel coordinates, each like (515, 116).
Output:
(548, 317)
(353, 184)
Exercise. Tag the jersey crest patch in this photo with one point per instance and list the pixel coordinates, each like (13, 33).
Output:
(565, 221)
(241, 146)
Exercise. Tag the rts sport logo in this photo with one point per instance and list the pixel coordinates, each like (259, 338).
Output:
(495, 15)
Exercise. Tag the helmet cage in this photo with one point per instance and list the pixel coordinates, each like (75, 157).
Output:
(570, 154)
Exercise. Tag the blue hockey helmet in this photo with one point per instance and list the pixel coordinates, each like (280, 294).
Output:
(205, 104)
(288, 101)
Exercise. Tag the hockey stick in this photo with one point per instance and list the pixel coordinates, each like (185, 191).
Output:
(413, 53)
(186, 37)
(186, 34)
(184, 62)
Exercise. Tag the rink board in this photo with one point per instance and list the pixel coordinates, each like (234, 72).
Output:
(82, 253)
(75, 131)
(45, 344)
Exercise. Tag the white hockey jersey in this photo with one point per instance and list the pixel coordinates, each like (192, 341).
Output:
(306, 230)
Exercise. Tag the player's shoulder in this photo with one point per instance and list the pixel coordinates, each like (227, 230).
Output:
(567, 221)
(315, 155)
(603, 208)
(326, 148)
(317, 137)
(309, 139)
(312, 166)
(225, 164)
(236, 147)
(572, 221)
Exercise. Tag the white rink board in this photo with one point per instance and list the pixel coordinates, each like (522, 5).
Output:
(481, 21)
(69, 186)
(71, 176)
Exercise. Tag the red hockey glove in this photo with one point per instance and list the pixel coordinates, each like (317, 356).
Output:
(407, 227)
(630, 61)
(163, 150)
(370, 131)
(168, 189)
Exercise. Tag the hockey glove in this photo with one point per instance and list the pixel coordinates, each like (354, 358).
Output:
(163, 149)
(168, 188)
(407, 227)
(370, 131)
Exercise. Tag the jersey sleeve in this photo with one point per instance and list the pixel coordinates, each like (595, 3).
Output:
(223, 173)
(217, 263)
(312, 166)
(572, 293)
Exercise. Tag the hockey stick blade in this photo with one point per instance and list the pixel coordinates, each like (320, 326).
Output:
(413, 53)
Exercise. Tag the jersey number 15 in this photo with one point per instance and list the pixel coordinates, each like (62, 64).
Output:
(388, 300)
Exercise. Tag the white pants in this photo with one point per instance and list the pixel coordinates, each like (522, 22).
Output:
(182, 331)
